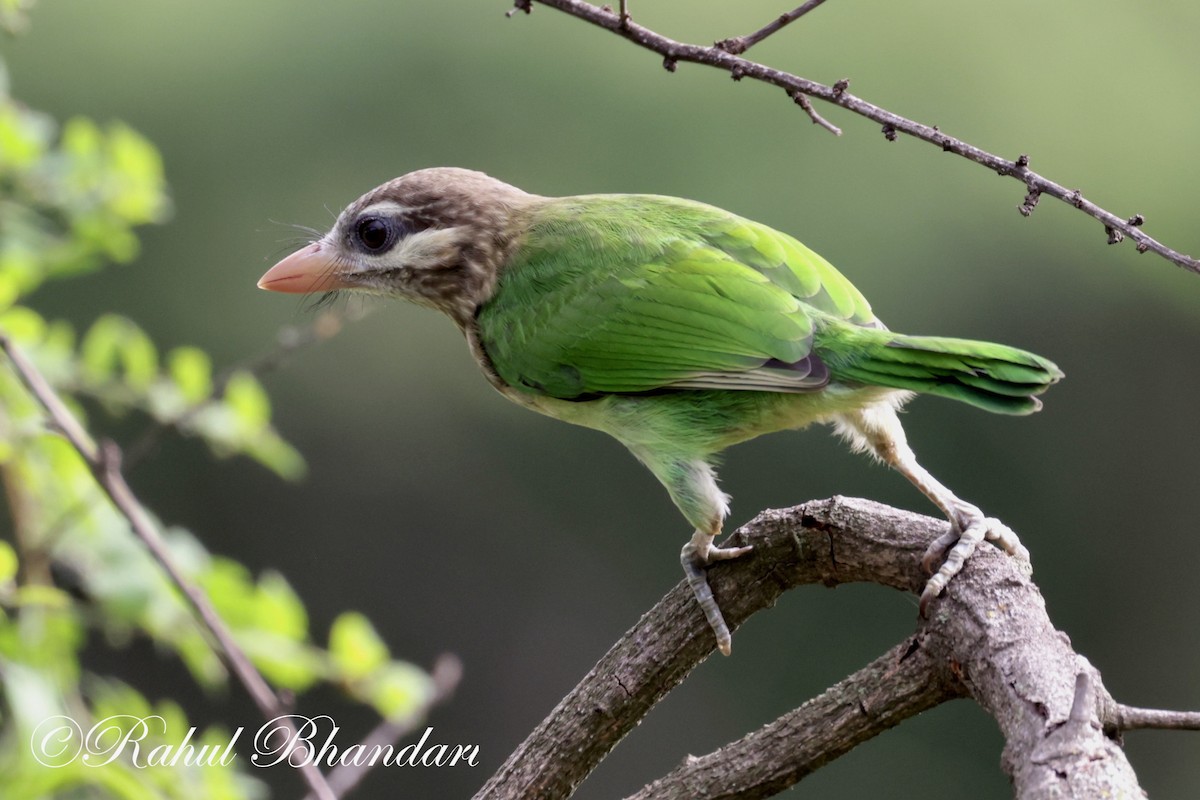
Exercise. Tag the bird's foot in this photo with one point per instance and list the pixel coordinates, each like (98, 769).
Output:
(696, 557)
(968, 527)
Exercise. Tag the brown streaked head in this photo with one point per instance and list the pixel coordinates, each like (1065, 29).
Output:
(437, 237)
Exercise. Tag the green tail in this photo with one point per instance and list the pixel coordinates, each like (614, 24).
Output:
(993, 377)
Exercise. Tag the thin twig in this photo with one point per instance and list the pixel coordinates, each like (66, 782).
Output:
(446, 674)
(104, 462)
(289, 340)
(893, 124)
(740, 44)
(1128, 718)
(802, 100)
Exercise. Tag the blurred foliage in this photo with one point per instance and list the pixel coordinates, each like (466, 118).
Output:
(70, 201)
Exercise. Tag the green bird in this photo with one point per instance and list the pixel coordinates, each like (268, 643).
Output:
(676, 327)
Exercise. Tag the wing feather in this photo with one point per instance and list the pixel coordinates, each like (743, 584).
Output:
(629, 293)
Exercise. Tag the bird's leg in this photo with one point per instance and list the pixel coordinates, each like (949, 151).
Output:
(696, 556)
(878, 427)
(692, 484)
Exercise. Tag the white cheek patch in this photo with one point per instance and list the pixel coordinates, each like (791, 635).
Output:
(422, 250)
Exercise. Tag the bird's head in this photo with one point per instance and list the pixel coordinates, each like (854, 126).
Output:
(437, 237)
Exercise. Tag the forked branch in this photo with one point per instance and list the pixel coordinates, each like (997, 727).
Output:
(988, 638)
(740, 44)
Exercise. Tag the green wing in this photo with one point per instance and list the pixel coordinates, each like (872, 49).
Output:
(632, 293)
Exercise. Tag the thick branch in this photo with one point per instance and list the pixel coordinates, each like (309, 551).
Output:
(989, 634)
(899, 684)
(1116, 228)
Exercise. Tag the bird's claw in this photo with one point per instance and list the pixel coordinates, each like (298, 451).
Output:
(714, 553)
(695, 559)
(949, 552)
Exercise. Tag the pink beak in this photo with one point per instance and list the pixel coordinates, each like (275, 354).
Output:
(304, 271)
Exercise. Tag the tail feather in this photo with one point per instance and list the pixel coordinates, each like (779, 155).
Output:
(994, 377)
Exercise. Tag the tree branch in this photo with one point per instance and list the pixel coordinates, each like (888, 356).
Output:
(1116, 228)
(897, 685)
(988, 638)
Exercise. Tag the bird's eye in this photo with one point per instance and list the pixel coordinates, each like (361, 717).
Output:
(374, 234)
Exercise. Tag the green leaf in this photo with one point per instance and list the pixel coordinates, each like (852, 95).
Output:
(100, 346)
(276, 454)
(22, 138)
(284, 662)
(114, 339)
(81, 138)
(8, 290)
(24, 325)
(138, 169)
(191, 370)
(8, 562)
(399, 690)
(139, 357)
(231, 588)
(245, 397)
(279, 608)
(355, 647)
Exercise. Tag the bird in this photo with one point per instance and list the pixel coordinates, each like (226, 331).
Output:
(676, 327)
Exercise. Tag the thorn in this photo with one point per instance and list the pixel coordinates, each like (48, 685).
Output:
(1114, 235)
(1084, 700)
(889, 132)
(1031, 200)
(670, 63)
(1137, 220)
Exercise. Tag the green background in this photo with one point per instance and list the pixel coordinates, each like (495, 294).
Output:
(460, 523)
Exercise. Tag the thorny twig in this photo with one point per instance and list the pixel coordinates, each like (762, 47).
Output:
(893, 124)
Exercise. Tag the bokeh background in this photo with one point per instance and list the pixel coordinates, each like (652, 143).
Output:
(461, 523)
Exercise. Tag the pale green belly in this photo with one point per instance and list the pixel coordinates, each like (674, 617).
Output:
(698, 423)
